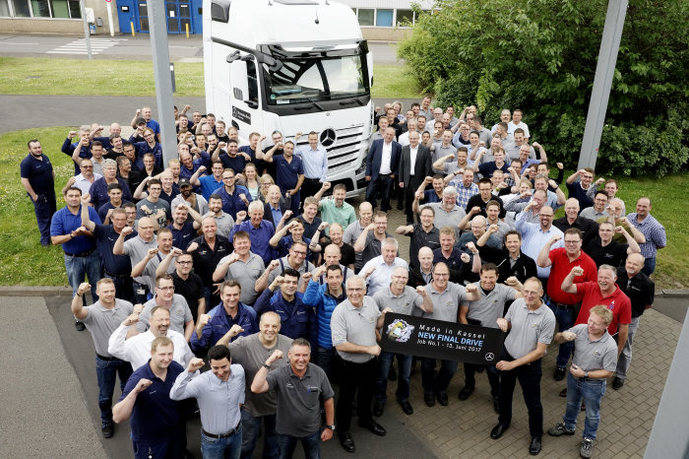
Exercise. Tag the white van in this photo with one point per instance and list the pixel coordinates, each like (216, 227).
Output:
(292, 66)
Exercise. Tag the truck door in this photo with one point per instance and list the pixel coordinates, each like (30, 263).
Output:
(244, 96)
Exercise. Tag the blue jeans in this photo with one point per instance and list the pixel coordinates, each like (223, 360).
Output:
(78, 268)
(251, 430)
(649, 266)
(107, 371)
(404, 364)
(564, 314)
(437, 382)
(311, 445)
(220, 448)
(592, 392)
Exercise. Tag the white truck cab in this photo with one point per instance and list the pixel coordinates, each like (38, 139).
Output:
(292, 66)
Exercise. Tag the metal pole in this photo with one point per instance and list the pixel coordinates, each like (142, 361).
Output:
(605, 69)
(157, 23)
(87, 32)
(110, 24)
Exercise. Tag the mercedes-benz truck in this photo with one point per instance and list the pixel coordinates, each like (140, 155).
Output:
(292, 66)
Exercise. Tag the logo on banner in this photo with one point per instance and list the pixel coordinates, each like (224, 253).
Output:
(489, 356)
(399, 331)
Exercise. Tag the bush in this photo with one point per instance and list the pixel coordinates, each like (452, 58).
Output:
(540, 56)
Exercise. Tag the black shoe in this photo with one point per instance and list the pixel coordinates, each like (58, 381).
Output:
(108, 430)
(347, 442)
(497, 431)
(535, 446)
(374, 428)
(617, 383)
(79, 326)
(406, 407)
(465, 393)
(496, 405)
(563, 392)
(442, 398)
(378, 407)
(429, 398)
(559, 374)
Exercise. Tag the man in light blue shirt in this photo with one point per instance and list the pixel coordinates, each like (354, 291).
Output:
(378, 271)
(535, 236)
(220, 393)
(315, 159)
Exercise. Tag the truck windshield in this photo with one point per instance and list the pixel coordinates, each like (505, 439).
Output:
(302, 80)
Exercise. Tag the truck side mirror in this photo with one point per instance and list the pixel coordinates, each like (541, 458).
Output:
(239, 81)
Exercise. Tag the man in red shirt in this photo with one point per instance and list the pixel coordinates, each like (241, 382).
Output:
(563, 304)
(606, 292)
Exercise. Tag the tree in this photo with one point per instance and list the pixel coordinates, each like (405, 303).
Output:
(540, 56)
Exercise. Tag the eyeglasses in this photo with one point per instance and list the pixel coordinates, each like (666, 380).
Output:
(572, 242)
(184, 262)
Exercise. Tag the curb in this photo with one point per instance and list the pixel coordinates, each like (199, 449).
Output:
(674, 293)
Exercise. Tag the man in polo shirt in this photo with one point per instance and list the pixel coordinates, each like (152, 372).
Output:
(38, 179)
(447, 212)
(223, 221)
(423, 234)
(299, 387)
(368, 244)
(101, 319)
(605, 251)
(335, 209)
(136, 349)
(157, 422)
(485, 313)
(353, 326)
(209, 184)
(445, 297)
(352, 232)
(259, 230)
(603, 291)
(378, 271)
(235, 198)
(137, 248)
(589, 228)
(531, 326)
(289, 175)
(227, 320)
(565, 304)
(595, 357)
(81, 258)
(641, 292)
(458, 262)
(242, 265)
(187, 283)
(401, 299)
(207, 250)
(653, 231)
(295, 259)
(220, 394)
(165, 297)
(578, 184)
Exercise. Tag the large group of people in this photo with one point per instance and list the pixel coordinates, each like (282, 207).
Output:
(238, 276)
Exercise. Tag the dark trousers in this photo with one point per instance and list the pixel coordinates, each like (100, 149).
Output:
(329, 361)
(436, 382)
(491, 372)
(124, 286)
(404, 364)
(408, 192)
(44, 207)
(309, 188)
(565, 314)
(293, 202)
(173, 446)
(380, 186)
(529, 377)
(357, 378)
(107, 372)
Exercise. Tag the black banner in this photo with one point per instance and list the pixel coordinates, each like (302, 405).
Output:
(438, 339)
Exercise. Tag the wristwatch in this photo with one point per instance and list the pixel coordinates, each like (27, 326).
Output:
(266, 366)
(331, 427)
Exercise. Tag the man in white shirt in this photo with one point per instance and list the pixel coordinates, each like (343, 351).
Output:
(517, 123)
(378, 271)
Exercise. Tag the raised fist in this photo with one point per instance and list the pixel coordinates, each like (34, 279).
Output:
(83, 288)
(142, 385)
(235, 330)
(203, 320)
(195, 364)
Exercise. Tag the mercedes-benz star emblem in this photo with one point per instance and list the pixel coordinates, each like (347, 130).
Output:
(328, 137)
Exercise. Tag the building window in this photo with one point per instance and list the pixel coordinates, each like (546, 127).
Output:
(74, 10)
(21, 8)
(4, 9)
(40, 8)
(366, 17)
(384, 18)
(61, 9)
(405, 18)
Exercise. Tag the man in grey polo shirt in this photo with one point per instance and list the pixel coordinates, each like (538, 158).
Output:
(595, 360)
(447, 212)
(137, 248)
(401, 299)
(485, 312)
(531, 325)
(353, 327)
(181, 319)
(445, 297)
(220, 394)
(300, 387)
(101, 319)
(242, 265)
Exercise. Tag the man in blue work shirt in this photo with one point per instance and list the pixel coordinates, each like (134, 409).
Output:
(68, 147)
(315, 159)
(233, 159)
(260, 231)
(289, 175)
(157, 421)
(230, 317)
(81, 258)
(38, 179)
(235, 198)
(296, 318)
(209, 184)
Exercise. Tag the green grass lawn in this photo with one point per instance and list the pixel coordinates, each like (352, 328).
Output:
(100, 77)
(24, 262)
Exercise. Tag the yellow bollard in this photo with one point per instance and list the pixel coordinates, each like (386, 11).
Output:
(131, 23)
(186, 26)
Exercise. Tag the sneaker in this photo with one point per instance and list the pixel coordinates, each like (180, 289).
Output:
(79, 326)
(559, 374)
(586, 448)
(559, 430)
(617, 383)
